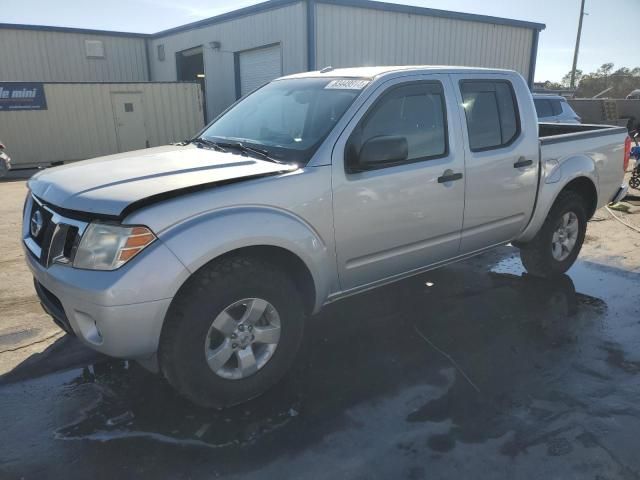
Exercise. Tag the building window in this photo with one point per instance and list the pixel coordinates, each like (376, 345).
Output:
(492, 114)
(161, 52)
(94, 48)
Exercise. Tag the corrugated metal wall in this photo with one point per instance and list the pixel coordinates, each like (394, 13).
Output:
(79, 121)
(49, 56)
(285, 25)
(350, 36)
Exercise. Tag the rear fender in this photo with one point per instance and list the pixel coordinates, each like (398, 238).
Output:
(556, 175)
(206, 237)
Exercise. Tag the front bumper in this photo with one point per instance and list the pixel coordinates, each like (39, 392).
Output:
(119, 313)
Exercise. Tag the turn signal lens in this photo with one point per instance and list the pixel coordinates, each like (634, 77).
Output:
(107, 247)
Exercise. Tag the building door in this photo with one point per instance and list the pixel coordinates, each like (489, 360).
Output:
(190, 68)
(129, 116)
(256, 67)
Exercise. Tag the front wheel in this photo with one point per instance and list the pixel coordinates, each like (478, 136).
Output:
(232, 332)
(557, 245)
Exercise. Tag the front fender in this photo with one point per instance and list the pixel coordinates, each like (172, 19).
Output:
(556, 175)
(205, 237)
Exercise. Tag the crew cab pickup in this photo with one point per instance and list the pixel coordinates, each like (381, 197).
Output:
(203, 259)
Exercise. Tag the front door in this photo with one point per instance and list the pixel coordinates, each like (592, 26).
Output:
(501, 150)
(393, 219)
(129, 118)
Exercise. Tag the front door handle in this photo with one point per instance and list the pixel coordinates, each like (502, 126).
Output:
(449, 176)
(522, 162)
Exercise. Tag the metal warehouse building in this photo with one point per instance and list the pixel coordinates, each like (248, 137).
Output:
(231, 54)
(240, 50)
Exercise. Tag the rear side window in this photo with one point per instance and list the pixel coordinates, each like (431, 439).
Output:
(415, 111)
(556, 107)
(492, 114)
(543, 108)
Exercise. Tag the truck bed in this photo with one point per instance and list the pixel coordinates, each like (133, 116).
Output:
(550, 133)
(596, 151)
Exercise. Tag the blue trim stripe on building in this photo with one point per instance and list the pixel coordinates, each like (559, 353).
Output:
(88, 31)
(534, 56)
(272, 4)
(389, 7)
(225, 17)
(432, 12)
(311, 35)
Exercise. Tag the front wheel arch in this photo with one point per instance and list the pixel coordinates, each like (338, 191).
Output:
(279, 257)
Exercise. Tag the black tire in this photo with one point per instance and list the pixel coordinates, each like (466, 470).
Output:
(536, 255)
(207, 293)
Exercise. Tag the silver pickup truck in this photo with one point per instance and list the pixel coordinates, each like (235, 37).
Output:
(203, 259)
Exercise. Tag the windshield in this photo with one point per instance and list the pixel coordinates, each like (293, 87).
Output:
(287, 118)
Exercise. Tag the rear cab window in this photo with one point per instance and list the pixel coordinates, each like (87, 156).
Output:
(491, 111)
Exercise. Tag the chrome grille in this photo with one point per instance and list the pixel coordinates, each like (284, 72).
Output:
(57, 239)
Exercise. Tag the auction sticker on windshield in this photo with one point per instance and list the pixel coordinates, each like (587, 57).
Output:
(347, 84)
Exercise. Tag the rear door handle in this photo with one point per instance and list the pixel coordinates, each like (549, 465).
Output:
(522, 162)
(449, 176)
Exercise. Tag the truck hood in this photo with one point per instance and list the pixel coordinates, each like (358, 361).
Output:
(113, 185)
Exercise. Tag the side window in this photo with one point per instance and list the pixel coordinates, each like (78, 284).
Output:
(543, 108)
(415, 112)
(556, 107)
(492, 113)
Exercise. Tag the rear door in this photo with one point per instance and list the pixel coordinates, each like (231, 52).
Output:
(501, 158)
(399, 218)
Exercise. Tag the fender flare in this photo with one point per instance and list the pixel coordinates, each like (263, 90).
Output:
(556, 176)
(239, 227)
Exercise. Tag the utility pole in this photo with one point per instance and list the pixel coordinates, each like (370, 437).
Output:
(575, 52)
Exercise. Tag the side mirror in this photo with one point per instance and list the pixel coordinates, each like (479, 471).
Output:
(381, 151)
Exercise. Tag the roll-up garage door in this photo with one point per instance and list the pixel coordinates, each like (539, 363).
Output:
(259, 66)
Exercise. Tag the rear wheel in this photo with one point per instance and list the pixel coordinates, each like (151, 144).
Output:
(557, 245)
(232, 332)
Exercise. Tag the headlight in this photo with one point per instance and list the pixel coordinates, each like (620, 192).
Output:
(106, 247)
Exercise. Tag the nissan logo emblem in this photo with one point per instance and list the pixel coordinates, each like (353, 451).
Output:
(37, 222)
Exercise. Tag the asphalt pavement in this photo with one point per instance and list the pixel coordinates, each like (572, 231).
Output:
(476, 370)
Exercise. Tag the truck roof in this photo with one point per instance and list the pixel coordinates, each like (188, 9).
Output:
(373, 72)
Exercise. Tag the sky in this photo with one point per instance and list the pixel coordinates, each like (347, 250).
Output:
(608, 28)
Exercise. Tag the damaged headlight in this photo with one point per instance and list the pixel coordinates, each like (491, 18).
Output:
(107, 246)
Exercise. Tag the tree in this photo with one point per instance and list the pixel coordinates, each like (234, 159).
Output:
(566, 80)
(621, 81)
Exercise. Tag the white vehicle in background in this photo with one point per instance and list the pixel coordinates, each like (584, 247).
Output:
(554, 109)
(5, 161)
(634, 95)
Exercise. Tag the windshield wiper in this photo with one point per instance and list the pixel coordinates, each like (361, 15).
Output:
(208, 143)
(263, 154)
